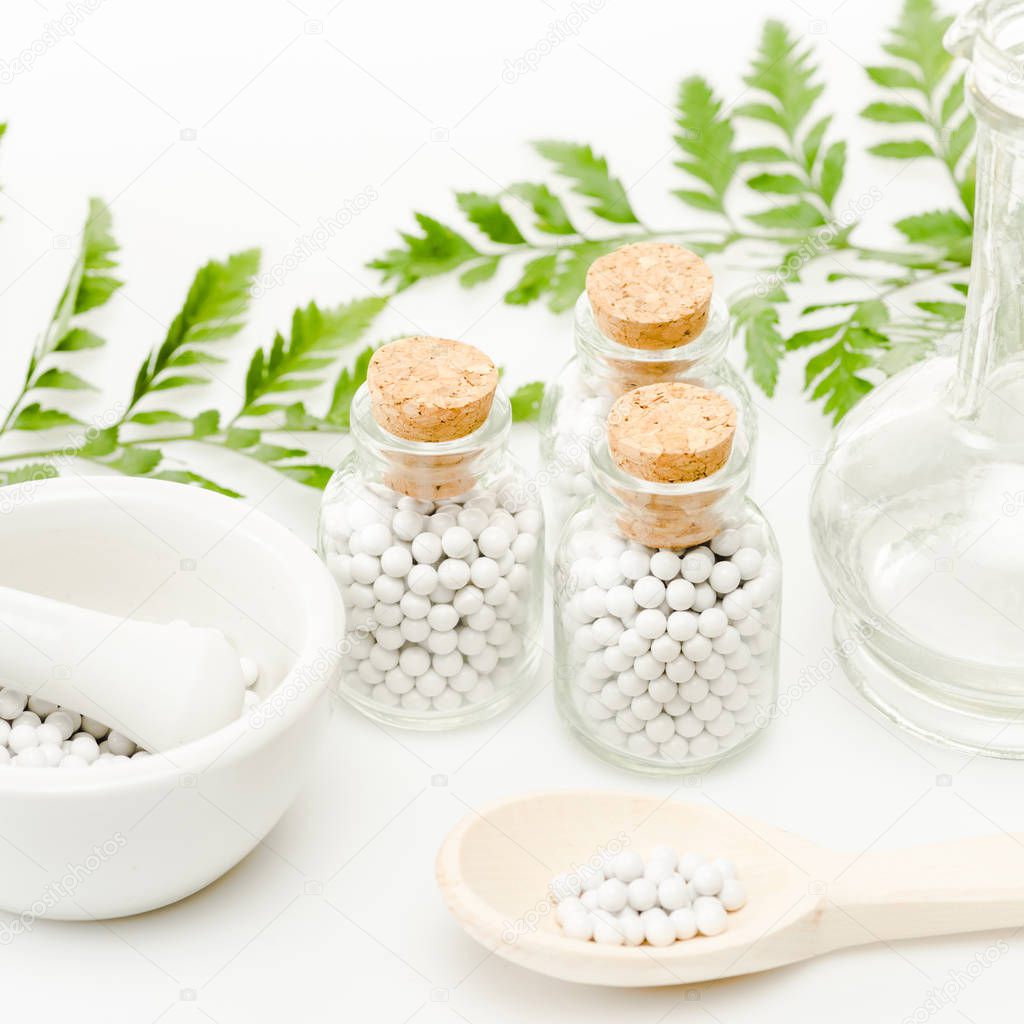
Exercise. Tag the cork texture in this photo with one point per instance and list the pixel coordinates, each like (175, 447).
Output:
(662, 521)
(432, 477)
(430, 389)
(650, 295)
(671, 432)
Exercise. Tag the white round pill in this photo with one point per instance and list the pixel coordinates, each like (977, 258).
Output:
(643, 894)
(679, 594)
(365, 568)
(85, 746)
(711, 917)
(748, 561)
(457, 542)
(426, 548)
(682, 626)
(733, 894)
(422, 579)
(484, 572)
(579, 926)
(712, 622)
(627, 865)
(707, 880)
(493, 542)
(685, 922)
(649, 592)
(673, 894)
(612, 895)
(468, 600)
(651, 623)
(607, 573)
(631, 642)
(396, 561)
(632, 927)
(737, 605)
(725, 577)
(619, 601)
(634, 563)
(697, 564)
(607, 932)
(11, 704)
(660, 729)
(62, 721)
(407, 524)
(665, 565)
(414, 661)
(375, 539)
(658, 928)
(697, 648)
(22, 737)
(50, 734)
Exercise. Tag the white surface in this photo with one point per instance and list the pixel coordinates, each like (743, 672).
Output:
(337, 913)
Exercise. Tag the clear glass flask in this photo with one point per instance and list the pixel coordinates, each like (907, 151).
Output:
(918, 510)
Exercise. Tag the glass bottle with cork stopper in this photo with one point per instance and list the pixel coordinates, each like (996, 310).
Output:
(436, 541)
(649, 314)
(668, 588)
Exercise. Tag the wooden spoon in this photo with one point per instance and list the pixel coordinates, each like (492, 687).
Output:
(803, 900)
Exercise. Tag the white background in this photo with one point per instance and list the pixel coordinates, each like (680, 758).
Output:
(298, 107)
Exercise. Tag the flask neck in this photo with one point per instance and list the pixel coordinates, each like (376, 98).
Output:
(992, 353)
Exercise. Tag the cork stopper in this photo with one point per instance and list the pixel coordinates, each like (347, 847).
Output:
(650, 295)
(430, 389)
(671, 433)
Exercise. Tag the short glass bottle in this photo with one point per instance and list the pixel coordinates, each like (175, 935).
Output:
(437, 548)
(617, 353)
(915, 512)
(667, 607)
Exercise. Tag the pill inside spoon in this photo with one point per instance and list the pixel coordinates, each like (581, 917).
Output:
(801, 900)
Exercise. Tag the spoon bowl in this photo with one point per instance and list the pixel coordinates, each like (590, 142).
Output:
(802, 900)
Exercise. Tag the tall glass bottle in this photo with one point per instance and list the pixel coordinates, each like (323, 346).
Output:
(918, 510)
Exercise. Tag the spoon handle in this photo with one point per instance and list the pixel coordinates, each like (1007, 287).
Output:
(963, 886)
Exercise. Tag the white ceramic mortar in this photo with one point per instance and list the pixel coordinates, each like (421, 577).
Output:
(114, 840)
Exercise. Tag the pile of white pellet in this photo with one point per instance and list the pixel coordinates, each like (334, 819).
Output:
(630, 902)
(439, 590)
(671, 649)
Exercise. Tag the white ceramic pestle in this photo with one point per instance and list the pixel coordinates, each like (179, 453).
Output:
(160, 685)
